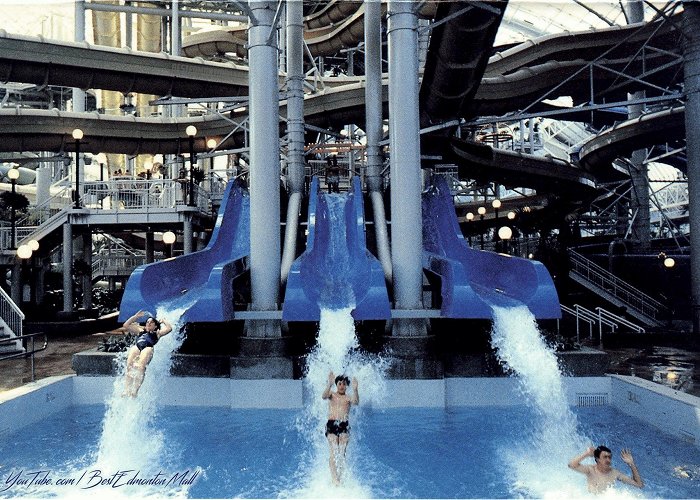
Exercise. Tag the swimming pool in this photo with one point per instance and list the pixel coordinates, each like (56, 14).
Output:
(395, 453)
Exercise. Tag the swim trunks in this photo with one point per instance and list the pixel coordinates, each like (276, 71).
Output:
(337, 427)
(146, 339)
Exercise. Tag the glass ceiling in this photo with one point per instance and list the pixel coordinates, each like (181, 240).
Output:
(527, 19)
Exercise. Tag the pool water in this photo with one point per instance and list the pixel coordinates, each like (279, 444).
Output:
(394, 453)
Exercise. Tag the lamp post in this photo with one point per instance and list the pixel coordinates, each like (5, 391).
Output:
(211, 144)
(77, 135)
(505, 233)
(24, 252)
(13, 174)
(470, 217)
(496, 204)
(668, 263)
(191, 131)
(481, 211)
(169, 238)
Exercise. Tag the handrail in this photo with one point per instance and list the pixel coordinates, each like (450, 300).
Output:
(27, 353)
(10, 313)
(614, 317)
(631, 296)
(587, 313)
(575, 313)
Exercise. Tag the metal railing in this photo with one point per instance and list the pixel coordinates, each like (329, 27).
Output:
(141, 194)
(590, 317)
(29, 353)
(10, 313)
(620, 289)
(605, 314)
(116, 264)
(598, 317)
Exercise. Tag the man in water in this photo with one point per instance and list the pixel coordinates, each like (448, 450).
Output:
(602, 475)
(338, 427)
(141, 353)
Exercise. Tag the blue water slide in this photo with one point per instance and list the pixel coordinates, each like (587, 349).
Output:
(473, 280)
(201, 282)
(336, 270)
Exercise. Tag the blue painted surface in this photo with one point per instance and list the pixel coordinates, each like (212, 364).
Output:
(200, 281)
(474, 279)
(336, 270)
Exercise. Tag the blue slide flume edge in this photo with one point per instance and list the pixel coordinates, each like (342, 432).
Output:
(200, 282)
(473, 280)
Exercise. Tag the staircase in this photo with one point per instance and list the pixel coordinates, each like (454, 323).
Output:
(603, 283)
(11, 318)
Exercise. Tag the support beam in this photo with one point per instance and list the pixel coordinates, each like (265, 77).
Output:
(639, 171)
(295, 130)
(87, 278)
(265, 270)
(373, 128)
(79, 94)
(691, 70)
(67, 267)
(404, 130)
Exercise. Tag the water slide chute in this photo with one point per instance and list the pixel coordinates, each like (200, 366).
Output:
(473, 280)
(201, 280)
(336, 270)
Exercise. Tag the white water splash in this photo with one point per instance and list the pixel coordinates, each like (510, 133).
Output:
(131, 436)
(335, 351)
(539, 461)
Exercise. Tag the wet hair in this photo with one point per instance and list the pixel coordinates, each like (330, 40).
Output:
(344, 378)
(155, 321)
(599, 450)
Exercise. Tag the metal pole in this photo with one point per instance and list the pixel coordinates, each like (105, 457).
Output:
(295, 130)
(404, 130)
(13, 217)
(79, 94)
(67, 267)
(373, 127)
(691, 69)
(191, 201)
(77, 173)
(265, 269)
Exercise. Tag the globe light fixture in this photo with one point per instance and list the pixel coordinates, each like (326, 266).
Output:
(33, 245)
(24, 252)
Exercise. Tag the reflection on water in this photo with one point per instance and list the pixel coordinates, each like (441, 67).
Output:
(673, 367)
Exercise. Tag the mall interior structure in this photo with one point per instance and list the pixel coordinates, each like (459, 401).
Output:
(479, 152)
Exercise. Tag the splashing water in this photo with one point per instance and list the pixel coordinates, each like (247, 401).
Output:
(131, 438)
(539, 462)
(336, 351)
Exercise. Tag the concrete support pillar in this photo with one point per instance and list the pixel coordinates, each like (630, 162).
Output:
(149, 246)
(639, 172)
(265, 268)
(691, 69)
(404, 130)
(87, 277)
(16, 282)
(79, 94)
(67, 267)
(295, 130)
(43, 184)
(373, 128)
(187, 236)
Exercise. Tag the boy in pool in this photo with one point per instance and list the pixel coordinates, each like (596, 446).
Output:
(337, 427)
(141, 353)
(602, 475)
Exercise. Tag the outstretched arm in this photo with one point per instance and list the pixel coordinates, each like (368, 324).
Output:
(130, 324)
(636, 479)
(575, 462)
(331, 380)
(355, 394)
